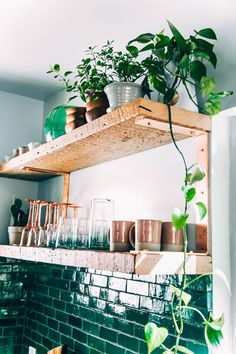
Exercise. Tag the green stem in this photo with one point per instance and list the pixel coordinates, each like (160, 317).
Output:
(197, 278)
(196, 310)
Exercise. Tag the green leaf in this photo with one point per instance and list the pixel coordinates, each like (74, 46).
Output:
(189, 194)
(159, 85)
(155, 336)
(207, 33)
(72, 98)
(207, 85)
(184, 62)
(182, 349)
(197, 70)
(143, 38)
(219, 95)
(132, 50)
(212, 107)
(185, 296)
(216, 324)
(161, 41)
(179, 220)
(149, 46)
(197, 174)
(56, 68)
(213, 333)
(179, 38)
(67, 73)
(202, 209)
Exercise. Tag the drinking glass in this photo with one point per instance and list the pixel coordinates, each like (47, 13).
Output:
(82, 234)
(42, 238)
(34, 230)
(102, 213)
(66, 232)
(54, 214)
(26, 229)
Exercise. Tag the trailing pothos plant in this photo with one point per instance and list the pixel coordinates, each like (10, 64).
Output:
(175, 60)
(156, 336)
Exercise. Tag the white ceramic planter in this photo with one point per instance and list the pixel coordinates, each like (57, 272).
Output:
(119, 93)
(14, 233)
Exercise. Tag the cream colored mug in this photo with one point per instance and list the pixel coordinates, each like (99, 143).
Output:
(147, 235)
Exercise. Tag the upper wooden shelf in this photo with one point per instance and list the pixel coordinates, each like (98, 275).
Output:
(134, 127)
(144, 262)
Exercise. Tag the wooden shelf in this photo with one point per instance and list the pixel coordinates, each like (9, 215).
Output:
(132, 263)
(134, 127)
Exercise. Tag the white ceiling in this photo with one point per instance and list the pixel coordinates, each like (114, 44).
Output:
(35, 34)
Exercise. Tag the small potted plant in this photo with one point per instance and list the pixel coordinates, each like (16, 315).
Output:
(174, 61)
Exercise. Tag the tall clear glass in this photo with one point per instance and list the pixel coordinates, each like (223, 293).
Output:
(102, 213)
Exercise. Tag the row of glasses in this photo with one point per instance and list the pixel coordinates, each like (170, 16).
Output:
(63, 229)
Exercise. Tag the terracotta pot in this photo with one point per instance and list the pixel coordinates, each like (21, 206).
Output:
(97, 108)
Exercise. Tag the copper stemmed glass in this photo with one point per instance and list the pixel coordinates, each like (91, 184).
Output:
(42, 237)
(34, 231)
(27, 228)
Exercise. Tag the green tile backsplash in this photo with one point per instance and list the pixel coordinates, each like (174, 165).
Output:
(96, 311)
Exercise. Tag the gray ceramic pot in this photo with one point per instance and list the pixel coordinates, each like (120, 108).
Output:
(119, 93)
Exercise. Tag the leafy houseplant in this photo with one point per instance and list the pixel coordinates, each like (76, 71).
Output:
(174, 60)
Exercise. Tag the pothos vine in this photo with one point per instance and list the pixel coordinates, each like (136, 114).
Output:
(156, 336)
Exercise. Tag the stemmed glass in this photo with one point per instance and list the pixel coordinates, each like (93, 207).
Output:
(27, 228)
(42, 237)
(54, 214)
(34, 231)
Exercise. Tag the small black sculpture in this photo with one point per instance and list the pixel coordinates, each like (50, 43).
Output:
(19, 216)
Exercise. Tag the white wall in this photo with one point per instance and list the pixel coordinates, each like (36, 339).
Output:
(21, 122)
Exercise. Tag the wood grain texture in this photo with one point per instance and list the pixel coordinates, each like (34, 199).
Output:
(112, 136)
(124, 262)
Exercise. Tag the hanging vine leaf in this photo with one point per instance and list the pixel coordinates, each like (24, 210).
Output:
(179, 39)
(155, 336)
(182, 349)
(185, 296)
(207, 33)
(179, 220)
(143, 38)
(190, 194)
(197, 174)
(202, 209)
(207, 85)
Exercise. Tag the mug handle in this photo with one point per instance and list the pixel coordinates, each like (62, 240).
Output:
(130, 236)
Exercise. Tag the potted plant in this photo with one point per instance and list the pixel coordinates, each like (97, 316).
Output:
(89, 79)
(175, 61)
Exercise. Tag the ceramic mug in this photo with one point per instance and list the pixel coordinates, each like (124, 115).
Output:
(147, 235)
(119, 235)
(171, 240)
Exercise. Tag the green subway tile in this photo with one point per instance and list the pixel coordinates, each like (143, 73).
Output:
(128, 342)
(48, 311)
(54, 335)
(93, 291)
(80, 335)
(74, 321)
(80, 348)
(124, 326)
(116, 310)
(61, 316)
(81, 299)
(53, 324)
(83, 278)
(72, 309)
(104, 319)
(156, 290)
(87, 313)
(47, 343)
(98, 304)
(69, 275)
(56, 273)
(108, 334)
(43, 330)
(114, 349)
(109, 295)
(60, 305)
(139, 331)
(54, 293)
(129, 299)
(98, 280)
(137, 287)
(67, 296)
(67, 340)
(137, 316)
(117, 284)
(90, 327)
(65, 329)
(96, 343)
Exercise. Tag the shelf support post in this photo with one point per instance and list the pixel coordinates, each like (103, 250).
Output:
(66, 187)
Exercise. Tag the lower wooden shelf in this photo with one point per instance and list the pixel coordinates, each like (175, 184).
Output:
(125, 262)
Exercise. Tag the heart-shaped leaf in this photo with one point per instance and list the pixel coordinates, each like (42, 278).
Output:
(197, 174)
(213, 336)
(179, 38)
(185, 296)
(143, 38)
(155, 336)
(212, 107)
(216, 324)
(190, 194)
(132, 50)
(179, 220)
(56, 68)
(207, 33)
(202, 210)
(207, 85)
(198, 70)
